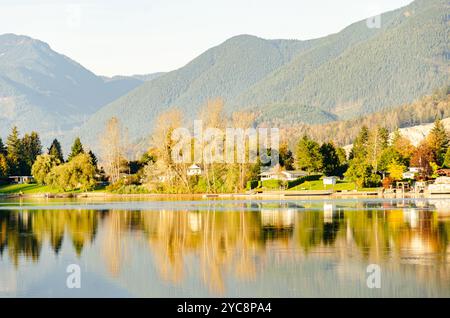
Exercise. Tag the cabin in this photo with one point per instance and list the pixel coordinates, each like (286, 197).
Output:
(194, 170)
(21, 179)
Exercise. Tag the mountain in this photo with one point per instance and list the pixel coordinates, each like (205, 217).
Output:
(357, 71)
(226, 71)
(48, 92)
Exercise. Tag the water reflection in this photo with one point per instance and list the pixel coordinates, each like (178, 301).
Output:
(232, 243)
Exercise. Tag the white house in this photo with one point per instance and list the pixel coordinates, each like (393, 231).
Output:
(329, 180)
(409, 175)
(194, 170)
(289, 175)
(21, 179)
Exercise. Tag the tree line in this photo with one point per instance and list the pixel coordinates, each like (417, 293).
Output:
(24, 156)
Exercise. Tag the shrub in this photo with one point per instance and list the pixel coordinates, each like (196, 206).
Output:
(272, 184)
(252, 184)
(301, 180)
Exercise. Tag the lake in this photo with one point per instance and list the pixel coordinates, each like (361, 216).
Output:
(226, 248)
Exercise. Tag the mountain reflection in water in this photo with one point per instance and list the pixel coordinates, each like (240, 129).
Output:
(225, 248)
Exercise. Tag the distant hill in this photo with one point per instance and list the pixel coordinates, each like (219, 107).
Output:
(48, 92)
(357, 71)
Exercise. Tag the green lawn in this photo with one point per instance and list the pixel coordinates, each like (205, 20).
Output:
(34, 188)
(24, 188)
(340, 186)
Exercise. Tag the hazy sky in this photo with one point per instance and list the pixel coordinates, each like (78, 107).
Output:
(126, 37)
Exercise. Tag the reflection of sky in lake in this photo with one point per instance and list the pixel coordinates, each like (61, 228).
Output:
(199, 248)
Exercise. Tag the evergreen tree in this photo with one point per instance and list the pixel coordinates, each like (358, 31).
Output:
(31, 147)
(447, 159)
(4, 169)
(3, 150)
(359, 149)
(330, 159)
(438, 140)
(93, 157)
(56, 151)
(308, 155)
(15, 152)
(77, 148)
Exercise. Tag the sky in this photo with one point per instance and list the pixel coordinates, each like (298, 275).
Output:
(125, 37)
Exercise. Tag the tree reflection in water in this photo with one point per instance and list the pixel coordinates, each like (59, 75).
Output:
(238, 242)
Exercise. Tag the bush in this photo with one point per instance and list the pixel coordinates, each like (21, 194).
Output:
(301, 180)
(252, 184)
(272, 184)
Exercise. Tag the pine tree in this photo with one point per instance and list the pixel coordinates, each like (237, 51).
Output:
(3, 150)
(447, 159)
(359, 149)
(330, 159)
(31, 147)
(56, 151)
(93, 157)
(15, 152)
(308, 155)
(77, 148)
(438, 140)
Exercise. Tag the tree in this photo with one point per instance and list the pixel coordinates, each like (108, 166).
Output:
(285, 156)
(77, 148)
(112, 149)
(378, 141)
(31, 147)
(56, 151)
(3, 166)
(42, 167)
(402, 146)
(447, 159)
(78, 173)
(308, 155)
(359, 172)
(330, 159)
(93, 157)
(359, 149)
(396, 170)
(438, 140)
(163, 145)
(423, 157)
(15, 152)
(3, 150)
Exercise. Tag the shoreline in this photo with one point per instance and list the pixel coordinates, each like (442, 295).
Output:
(268, 194)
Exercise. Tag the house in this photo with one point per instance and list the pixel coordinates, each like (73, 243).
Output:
(194, 170)
(329, 180)
(21, 179)
(289, 175)
(440, 186)
(411, 173)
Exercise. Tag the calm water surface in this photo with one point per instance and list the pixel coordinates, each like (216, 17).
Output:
(295, 248)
